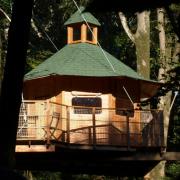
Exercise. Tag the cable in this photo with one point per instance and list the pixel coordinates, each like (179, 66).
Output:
(93, 35)
(175, 95)
(128, 95)
(24, 116)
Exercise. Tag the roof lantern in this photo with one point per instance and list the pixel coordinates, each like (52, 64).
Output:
(77, 29)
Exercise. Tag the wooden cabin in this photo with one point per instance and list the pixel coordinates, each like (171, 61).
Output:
(82, 95)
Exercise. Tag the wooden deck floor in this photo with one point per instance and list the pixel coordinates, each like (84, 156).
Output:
(86, 160)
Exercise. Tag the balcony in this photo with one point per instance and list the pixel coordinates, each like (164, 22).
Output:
(52, 123)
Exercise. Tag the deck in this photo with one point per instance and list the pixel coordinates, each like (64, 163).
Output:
(43, 124)
(91, 140)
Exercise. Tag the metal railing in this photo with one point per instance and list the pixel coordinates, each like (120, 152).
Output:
(48, 121)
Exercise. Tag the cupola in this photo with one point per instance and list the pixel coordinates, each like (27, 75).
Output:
(78, 30)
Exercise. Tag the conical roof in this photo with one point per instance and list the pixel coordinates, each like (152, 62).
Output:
(82, 59)
(77, 18)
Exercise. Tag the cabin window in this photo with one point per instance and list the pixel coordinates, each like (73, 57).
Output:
(86, 105)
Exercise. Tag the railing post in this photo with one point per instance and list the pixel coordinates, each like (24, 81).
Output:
(94, 126)
(90, 138)
(162, 129)
(127, 130)
(68, 124)
(48, 122)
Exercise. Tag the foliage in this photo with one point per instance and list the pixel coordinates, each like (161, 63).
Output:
(48, 33)
(173, 171)
(48, 175)
(35, 58)
(41, 175)
(49, 17)
(5, 7)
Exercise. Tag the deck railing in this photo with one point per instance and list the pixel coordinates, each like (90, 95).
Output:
(52, 122)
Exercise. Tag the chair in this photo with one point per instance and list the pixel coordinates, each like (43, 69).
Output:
(53, 126)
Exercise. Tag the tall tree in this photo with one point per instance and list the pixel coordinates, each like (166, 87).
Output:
(167, 58)
(10, 98)
(141, 39)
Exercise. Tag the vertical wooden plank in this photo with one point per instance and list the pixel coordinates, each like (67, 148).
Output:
(95, 32)
(68, 124)
(48, 122)
(83, 33)
(89, 134)
(154, 132)
(135, 124)
(69, 35)
(127, 130)
(94, 126)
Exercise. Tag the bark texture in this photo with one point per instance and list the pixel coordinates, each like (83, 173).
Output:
(141, 39)
(12, 83)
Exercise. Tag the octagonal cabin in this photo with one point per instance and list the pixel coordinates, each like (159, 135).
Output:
(84, 95)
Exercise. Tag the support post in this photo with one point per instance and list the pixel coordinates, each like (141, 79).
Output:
(69, 35)
(94, 126)
(83, 33)
(68, 125)
(128, 130)
(95, 32)
(90, 138)
(48, 122)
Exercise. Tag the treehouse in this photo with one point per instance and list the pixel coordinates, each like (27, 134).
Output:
(82, 95)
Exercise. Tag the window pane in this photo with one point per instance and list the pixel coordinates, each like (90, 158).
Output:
(85, 102)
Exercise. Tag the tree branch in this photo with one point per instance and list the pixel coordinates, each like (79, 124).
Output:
(39, 34)
(126, 27)
(5, 14)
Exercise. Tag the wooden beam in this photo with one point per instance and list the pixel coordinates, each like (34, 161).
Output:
(95, 35)
(94, 126)
(83, 33)
(68, 124)
(172, 156)
(35, 148)
(69, 35)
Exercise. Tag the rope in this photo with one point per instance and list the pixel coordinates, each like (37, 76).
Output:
(128, 95)
(24, 115)
(175, 95)
(50, 40)
(94, 36)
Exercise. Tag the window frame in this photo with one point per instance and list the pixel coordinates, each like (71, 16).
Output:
(86, 108)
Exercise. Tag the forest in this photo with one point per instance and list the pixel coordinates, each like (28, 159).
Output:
(149, 37)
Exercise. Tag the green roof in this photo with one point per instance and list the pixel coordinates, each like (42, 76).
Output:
(82, 59)
(77, 18)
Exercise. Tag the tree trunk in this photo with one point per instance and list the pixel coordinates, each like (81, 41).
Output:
(165, 101)
(1, 63)
(141, 39)
(12, 83)
(165, 60)
(142, 43)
